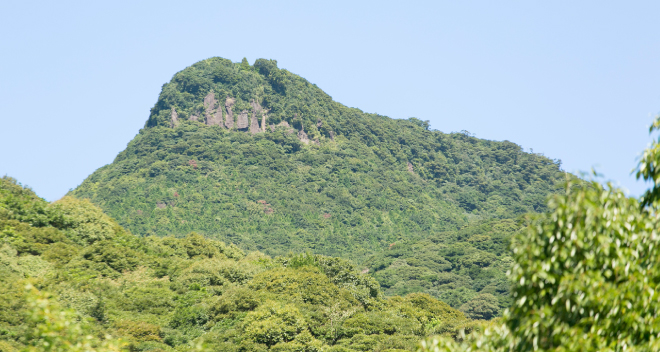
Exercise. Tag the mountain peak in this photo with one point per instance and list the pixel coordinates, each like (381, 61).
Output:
(243, 98)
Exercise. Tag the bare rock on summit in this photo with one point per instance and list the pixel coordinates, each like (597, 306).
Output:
(216, 119)
(209, 102)
(175, 118)
(213, 112)
(302, 136)
(242, 120)
(229, 120)
(264, 116)
(254, 124)
(254, 120)
(288, 129)
(256, 107)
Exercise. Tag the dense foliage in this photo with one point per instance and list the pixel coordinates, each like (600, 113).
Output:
(112, 289)
(371, 185)
(586, 275)
(465, 268)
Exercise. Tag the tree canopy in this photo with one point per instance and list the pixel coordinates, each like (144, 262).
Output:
(586, 274)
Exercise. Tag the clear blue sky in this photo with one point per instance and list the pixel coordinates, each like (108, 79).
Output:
(574, 80)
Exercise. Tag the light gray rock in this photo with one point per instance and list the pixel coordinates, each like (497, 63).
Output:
(242, 120)
(254, 124)
(229, 119)
(212, 113)
(302, 136)
(175, 118)
(254, 120)
(288, 128)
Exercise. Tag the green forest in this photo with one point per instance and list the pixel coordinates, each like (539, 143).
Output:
(254, 213)
(167, 293)
(359, 186)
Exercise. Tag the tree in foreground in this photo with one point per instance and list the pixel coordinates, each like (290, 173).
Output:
(586, 275)
(54, 329)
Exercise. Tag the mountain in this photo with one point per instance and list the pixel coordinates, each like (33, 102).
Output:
(259, 157)
(87, 278)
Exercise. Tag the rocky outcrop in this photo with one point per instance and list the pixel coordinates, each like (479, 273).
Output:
(175, 118)
(263, 120)
(242, 120)
(213, 112)
(254, 120)
(302, 136)
(217, 118)
(410, 168)
(194, 117)
(319, 123)
(254, 124)
(288, 129)
(229, 119)
(332, 135)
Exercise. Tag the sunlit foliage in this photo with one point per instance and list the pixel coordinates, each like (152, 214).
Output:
(188, 293)
(586, 275)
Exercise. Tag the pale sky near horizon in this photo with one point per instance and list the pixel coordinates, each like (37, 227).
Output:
(576, 81)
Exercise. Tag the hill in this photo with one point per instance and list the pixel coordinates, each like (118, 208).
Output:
(171, 294)
(259, 157)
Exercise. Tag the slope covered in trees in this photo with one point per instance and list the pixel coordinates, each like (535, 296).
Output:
(465, 268)
(260, 157)
(585, 275)
(167, 294)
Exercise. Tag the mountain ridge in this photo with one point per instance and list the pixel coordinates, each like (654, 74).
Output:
(259, 157)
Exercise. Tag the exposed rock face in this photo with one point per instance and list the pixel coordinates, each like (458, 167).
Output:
(256, 108)
(332, 135)
(319, 123)
(303, 137)
(254, 120)
(194, 117)
(209, 102)
(410, 168)
(254, 124)
(288, 128)
(242, 120)
(217, 118)
(213, 112)
(229, 120)
(272, 127)
(263, 120)
(175, 118)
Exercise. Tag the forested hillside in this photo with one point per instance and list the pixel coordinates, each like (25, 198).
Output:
(167, 294)
(259, 157)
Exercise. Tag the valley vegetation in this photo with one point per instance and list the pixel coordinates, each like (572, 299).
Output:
(71, 278)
